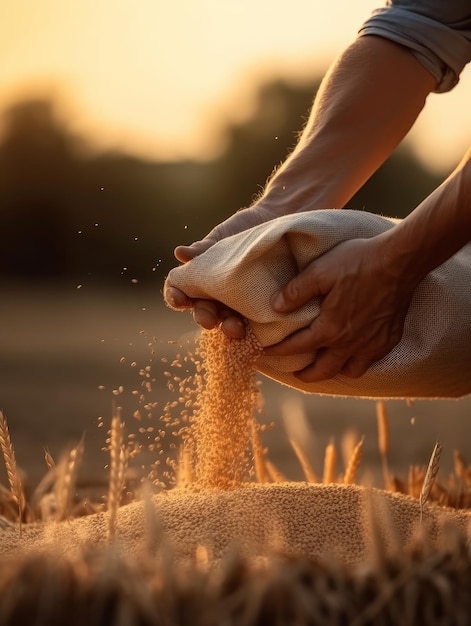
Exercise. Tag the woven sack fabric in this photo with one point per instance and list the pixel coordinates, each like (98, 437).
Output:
(433, 358)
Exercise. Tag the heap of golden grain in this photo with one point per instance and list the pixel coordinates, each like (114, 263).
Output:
(231, 542)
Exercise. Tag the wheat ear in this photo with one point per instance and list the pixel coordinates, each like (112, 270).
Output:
(330, 460)
(430, 476)
(9, 457)
(354, 463)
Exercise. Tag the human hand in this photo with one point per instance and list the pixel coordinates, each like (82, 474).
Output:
(364, 305)
(209, 313)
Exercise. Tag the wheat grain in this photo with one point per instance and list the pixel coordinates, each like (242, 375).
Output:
(49, 460)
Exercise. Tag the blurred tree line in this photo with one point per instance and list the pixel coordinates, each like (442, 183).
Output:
(69, 215)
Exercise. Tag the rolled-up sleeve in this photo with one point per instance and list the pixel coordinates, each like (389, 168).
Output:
(437, 32)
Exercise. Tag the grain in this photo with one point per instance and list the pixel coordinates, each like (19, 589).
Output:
(226, 400)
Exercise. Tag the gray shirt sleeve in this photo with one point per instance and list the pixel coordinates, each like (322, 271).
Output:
(437, 32)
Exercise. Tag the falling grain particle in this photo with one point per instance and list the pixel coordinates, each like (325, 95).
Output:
(48, 458)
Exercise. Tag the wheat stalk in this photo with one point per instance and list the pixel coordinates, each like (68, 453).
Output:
(354, 463)
(274, 473)
(118, 462)
(383, 438)
(430, 476)
(306, 466)
(9, 457)
(185, 465)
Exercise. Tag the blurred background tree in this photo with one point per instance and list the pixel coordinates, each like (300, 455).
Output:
(71, 215)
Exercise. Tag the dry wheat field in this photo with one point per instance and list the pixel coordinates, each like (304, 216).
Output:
(210, 532)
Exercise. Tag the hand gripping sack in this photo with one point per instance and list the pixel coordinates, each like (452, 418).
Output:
(433, 358)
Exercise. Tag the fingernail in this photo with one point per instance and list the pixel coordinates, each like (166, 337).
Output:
(278, 301)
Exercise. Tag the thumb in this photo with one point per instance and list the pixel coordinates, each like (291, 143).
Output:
(297, 292)
(240, 221)
(186, 253)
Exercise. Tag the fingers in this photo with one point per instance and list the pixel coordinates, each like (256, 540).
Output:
(329, 359)
(176, 298)
(300, 342)
(298, 291)
(356, 367)
(205, 313)
(327, 364)
(233, 327)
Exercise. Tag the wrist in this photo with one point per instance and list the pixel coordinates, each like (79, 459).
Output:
(404, 261)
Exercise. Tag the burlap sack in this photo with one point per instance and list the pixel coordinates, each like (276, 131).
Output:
(433, 358)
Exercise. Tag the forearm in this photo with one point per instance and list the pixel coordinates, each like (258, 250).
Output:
(365, 106)
(434, 231)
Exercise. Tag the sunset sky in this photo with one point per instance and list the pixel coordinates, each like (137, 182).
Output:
(158, 77)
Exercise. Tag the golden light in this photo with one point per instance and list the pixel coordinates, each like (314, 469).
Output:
(158, 78)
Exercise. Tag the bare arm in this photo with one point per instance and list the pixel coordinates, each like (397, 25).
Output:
(367, 102)
(435, 230)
